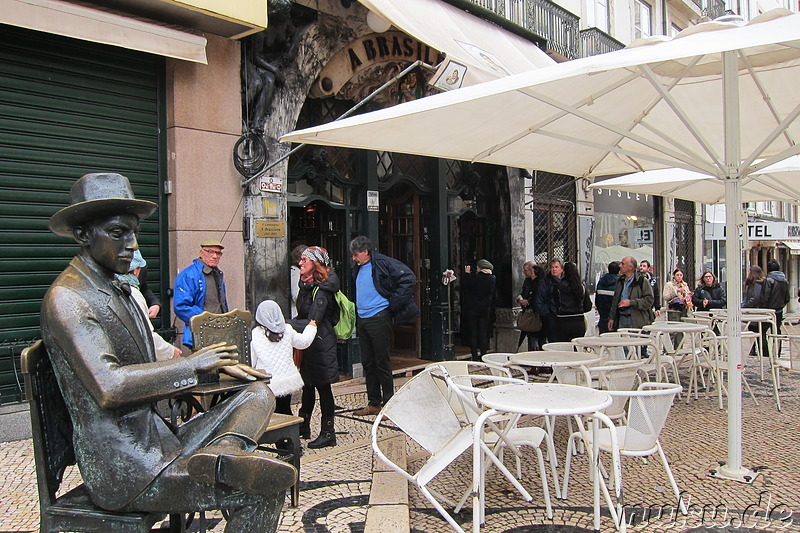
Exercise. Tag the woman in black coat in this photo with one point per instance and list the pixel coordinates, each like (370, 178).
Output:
(319, 368)
(573, 302)
(709, 294)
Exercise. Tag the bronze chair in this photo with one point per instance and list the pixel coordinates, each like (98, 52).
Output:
(232, 327)
(53, 452)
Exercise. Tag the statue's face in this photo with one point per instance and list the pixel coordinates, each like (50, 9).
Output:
(112, 241)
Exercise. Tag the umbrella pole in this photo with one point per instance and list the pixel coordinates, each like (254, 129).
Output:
(734, 225)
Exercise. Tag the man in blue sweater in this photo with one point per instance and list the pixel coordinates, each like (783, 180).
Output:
(384, 291)
(200, 287)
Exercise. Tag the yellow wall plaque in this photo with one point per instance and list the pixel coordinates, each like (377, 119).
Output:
(270, 229)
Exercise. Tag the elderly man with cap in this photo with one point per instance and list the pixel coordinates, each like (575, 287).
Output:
(477, 304)
(130, 458)
(200, 287)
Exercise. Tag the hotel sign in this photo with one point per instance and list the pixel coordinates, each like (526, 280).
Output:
(757, 231)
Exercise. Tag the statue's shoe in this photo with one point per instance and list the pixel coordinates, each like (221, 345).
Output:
(250, 472)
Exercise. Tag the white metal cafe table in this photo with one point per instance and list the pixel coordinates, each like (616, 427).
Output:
(607, 345)
(555, 360)
(543, 399)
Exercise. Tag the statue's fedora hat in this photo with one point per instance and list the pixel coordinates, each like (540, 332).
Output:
(98, 195)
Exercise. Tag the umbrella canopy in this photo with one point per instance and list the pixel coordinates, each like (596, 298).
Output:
(777, 183)
(714, 99)
(644, 107)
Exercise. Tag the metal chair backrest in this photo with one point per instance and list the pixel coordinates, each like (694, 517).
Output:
(233, 327)
(501, 359)
(423, 413)
(648, 408)
(619, 376)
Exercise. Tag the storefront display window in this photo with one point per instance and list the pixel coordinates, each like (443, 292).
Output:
(624, 226)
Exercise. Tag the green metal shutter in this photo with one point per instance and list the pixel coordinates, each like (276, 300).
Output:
(67, 107)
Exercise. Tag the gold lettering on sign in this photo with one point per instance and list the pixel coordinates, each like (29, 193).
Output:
(270, 229)
(366, 52)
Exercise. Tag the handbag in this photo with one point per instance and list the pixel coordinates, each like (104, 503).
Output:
(297, 356)
(529, 320)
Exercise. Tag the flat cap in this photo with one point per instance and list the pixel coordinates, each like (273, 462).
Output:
(211, 242)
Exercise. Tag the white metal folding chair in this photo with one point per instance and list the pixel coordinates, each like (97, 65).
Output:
(714, 359)
(423, 413)
(499, 434)
(784, 355)
(648, 409)
(502, 359)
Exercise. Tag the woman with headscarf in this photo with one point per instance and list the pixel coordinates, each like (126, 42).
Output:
(319, 367)
(271, 350)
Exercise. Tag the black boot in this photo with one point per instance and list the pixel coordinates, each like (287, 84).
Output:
(327, 436)
(305, 425)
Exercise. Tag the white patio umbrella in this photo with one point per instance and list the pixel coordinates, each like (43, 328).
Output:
(779, 183)
(714, 99)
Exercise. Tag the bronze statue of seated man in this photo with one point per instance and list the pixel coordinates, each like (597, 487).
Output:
(130, 458)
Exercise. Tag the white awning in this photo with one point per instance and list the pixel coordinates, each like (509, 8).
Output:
(793, 246)
(482, 49)
(80, 22)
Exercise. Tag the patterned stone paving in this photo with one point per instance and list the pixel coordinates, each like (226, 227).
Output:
(335, 482)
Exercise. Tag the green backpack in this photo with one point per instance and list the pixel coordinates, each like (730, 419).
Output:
(347, 315)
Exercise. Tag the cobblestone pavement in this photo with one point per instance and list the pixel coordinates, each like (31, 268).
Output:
(335, 482)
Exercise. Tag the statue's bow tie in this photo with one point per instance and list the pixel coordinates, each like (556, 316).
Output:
(123, 287)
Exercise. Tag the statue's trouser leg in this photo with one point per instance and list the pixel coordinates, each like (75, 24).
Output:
(174, 491)
(245, 415)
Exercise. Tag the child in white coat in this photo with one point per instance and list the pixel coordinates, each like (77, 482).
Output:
(271, 348)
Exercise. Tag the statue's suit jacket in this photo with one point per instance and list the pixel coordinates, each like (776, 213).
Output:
(108, 374)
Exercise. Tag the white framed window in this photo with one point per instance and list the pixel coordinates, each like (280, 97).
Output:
(601, 15)
(642, 19)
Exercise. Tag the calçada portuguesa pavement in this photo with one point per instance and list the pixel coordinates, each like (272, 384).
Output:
(337, 482)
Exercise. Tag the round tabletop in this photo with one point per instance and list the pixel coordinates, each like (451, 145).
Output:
(747, 317)
(675, 327)
(554, 359)
(611, 341)
(544, 399)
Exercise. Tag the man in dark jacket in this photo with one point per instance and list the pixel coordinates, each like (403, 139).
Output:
(384, 290)
(774, 295)
(632, 306)
(604, 294)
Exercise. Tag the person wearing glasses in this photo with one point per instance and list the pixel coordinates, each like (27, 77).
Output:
(200, 287)
(709, 294)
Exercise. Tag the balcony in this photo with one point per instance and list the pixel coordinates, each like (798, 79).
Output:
(555, 24)
(595, 41)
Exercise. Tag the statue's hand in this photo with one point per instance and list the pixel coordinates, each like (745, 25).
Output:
(214, 356)
(243, 372)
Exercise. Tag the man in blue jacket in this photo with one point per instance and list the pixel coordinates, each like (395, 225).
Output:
(200, 287)
(384, 291)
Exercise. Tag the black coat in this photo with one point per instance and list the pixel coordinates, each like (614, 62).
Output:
(478, 294)
(320, 365)
(715, 295)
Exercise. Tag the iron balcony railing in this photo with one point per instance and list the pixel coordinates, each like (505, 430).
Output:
(714, 8)
(595, 41)
(557, 25)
